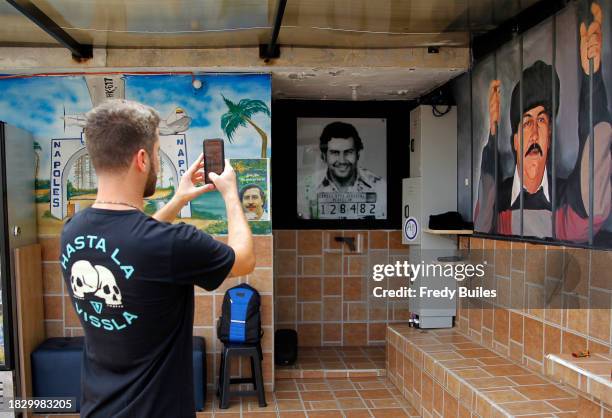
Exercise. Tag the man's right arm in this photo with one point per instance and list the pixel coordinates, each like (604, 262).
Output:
(240, 238)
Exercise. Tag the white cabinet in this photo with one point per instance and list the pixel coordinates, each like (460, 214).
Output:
(431, 190)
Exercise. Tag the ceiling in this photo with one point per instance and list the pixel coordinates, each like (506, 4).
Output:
(358, 83)
(356, 24)
(230, 23)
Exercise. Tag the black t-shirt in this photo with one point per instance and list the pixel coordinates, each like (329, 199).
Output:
(131, 281)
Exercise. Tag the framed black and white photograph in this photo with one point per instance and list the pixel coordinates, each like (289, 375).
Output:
(341, 168)
(339, 164)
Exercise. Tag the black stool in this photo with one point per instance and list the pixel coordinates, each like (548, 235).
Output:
(241, 350)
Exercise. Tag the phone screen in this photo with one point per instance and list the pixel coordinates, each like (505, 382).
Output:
(214, 157)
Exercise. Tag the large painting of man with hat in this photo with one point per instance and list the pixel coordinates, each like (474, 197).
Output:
(500, 198)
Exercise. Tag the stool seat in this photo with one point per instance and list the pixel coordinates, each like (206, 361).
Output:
(252, 351)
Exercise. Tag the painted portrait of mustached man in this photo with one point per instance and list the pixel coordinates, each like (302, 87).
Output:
(532, 199)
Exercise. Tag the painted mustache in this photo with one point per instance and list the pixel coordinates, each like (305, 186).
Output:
(534, 147)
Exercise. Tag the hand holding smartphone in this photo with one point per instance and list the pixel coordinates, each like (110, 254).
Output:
(214, 158)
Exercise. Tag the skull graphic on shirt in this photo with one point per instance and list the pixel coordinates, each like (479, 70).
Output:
(87, 278)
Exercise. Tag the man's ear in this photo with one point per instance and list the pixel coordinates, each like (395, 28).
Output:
(323, 157)
(517, 144)
(142, 160)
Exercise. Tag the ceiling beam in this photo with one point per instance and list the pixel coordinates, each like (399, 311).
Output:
(272, 50)
(29, 10)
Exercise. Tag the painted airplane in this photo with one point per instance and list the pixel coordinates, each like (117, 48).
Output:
(113, 87)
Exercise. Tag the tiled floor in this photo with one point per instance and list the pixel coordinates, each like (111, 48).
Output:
(351, 397)
(328, 361)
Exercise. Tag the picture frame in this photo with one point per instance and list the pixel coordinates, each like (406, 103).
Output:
(288, 122)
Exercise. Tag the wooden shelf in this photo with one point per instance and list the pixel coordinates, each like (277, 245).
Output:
(449, 231)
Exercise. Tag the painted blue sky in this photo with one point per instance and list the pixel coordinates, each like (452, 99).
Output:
(37, 105)
(205, 106)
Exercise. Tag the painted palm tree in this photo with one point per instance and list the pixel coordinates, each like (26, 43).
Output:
(37, 150)
(240, 114)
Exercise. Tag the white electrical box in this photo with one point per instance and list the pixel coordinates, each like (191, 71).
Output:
(431, 190)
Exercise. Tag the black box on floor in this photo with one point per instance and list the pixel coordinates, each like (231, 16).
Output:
(285, 347)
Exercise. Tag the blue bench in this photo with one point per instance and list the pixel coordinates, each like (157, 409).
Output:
(56, 369)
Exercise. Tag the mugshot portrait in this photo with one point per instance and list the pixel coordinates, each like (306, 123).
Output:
(342, 167)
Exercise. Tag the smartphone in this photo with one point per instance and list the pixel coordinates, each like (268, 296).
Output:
(214, 157)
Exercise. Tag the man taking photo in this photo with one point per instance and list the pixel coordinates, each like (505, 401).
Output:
(131, 277)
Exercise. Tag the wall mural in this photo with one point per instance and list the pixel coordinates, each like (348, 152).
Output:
(229, 106)
(532, 102)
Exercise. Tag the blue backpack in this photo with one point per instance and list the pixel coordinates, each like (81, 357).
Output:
(240, 320)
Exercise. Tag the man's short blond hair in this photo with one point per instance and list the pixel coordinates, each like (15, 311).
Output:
(116, 130)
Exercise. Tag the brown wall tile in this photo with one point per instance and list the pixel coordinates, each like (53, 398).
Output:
(501, 326)
(332, 309)
(332, 263)
(50, 248)
(266, 310)
(309, 289)
(285, 263)
(552, 340)
(378, 310)
(285, 239)
(312, 266)
(535, 260)
(203, 311)
(332, 333)
(310, 242)
(52, 278)
(534, 338)
(353, 288)
(355, 334)
(488, 315)
(577, 314)
(596, 347)
(576, 278)
(572, 342)
(600, 315)
(600, 264)
(286, 286)
(376, 331)
(518, 255)
(554, 261)
(357, 311)
(285, 310)
(516, 327)
(379, 240)
(395, 241)
(263, 250)
(54, 329)
(53, 308)
(357, 265)
(502, 258)
(261, 279)
(311, 311)
(332, 286)
(309, 335)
